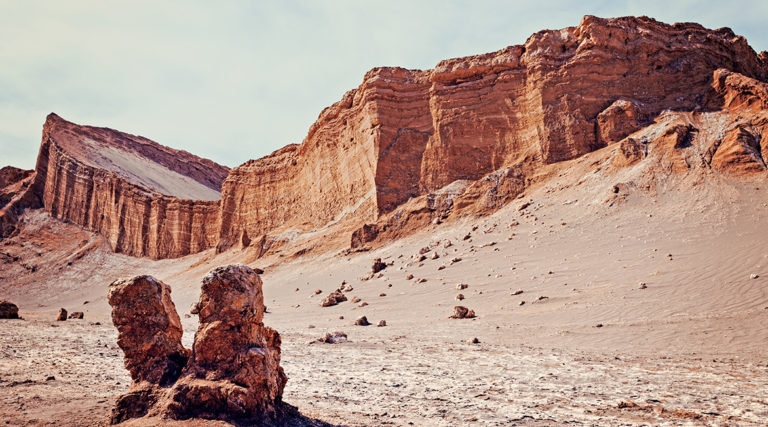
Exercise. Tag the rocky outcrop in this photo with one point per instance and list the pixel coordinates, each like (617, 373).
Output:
(493, 118)
(233, 371)
(409, 148)
(133, 191)
(149, 330)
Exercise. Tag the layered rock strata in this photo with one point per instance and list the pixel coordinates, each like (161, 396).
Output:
(412, 147)
(233, 371)
(405, 134)
(133, 191)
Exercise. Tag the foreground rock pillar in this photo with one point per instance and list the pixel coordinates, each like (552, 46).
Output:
(233, 372)
(149, 333)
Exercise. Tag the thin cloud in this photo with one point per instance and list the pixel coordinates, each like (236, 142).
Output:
(237, 80)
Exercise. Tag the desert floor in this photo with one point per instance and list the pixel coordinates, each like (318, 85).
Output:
(590, 345)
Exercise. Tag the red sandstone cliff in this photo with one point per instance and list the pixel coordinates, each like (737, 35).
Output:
(410, 147)
(479, 124)
(135, 192)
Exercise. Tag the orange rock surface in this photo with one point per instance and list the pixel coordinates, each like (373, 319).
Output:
(411, 147)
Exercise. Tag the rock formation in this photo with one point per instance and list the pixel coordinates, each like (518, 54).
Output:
(146, 199)
(233, 371)
(8, 310)
(409, 148)
(149, 330)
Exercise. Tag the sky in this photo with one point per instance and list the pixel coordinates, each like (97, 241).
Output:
(236, 80)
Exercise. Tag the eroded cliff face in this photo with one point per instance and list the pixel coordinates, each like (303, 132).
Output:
(113, 183)
(411, 147)
(492, 120)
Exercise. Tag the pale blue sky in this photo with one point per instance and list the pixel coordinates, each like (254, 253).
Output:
(237, 80)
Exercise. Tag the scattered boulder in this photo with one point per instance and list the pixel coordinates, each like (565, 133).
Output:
(318, 291)
(62, 315)
(475, 341)
(461, 286)
(517, 292)
(332, 338)
(355, 300)
(76, 315)
(382, 323)
(461, 312)
(8, 310)
(362, 321)
(377, 266)
(409, 277)
(643, 285)
(333, 298)
(459, 297)
(233, 371)
(424, 250)
(754, 276)
(435, 255)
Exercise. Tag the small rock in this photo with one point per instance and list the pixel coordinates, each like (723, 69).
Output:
(754, 276)
(362, 321)
(522, 303)
(435, 255)
(461, 312)
(363, 304)
(333, 338)
(447, 244)
(517, 292)
(382, 323)
(459, 297)
(441, 267)
(475, 341)
(51, 378)
(424, 250)
(318, 291)
(333, 298)
(76, 315)
(409, 277)
(541, 298)
(377, 266)
(599, 325)
(422, 280)
(643, 285)
(62, 315)
(355, 300)
(341, 317)
(461, 286)
(455, 260)
(382, 294)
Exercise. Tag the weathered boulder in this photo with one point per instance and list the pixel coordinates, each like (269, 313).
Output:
(333, 298)
(378, 265)
(8, 310)
(62, 315)
(461, 312)
(76, 315)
